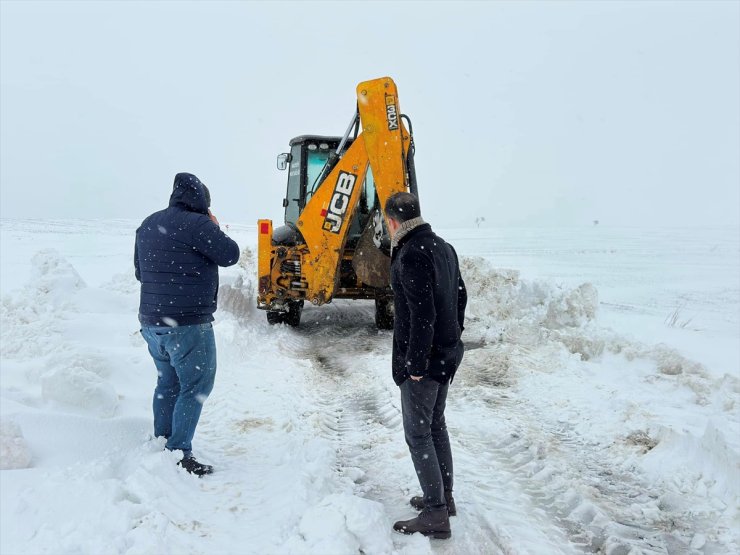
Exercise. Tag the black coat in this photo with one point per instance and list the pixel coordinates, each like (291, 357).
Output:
(429, 301)
(177, 254)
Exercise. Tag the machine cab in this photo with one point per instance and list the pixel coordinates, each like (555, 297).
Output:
(307, 164)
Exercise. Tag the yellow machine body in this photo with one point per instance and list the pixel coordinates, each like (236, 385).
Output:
(310, 268)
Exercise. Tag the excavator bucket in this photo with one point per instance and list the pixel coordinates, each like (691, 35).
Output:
(371, 264)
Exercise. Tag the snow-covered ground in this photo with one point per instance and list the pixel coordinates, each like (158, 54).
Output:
(597, 409)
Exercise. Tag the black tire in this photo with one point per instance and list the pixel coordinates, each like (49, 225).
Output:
(384, 313)
(275, 317)
(292, 317)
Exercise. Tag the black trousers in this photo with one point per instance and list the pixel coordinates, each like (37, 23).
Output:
(423, 407)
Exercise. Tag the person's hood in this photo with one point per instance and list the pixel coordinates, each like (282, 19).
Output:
(189, 193)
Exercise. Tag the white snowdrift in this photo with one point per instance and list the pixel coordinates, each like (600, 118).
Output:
(78, 385)
(700, 467)
(28, 319)
(569, 436)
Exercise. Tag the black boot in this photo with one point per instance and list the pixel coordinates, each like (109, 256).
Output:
(194, 467)
(417, 502)
(434, 523)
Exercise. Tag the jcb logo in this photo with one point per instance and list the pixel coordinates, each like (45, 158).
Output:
(391, 112)
(339, 202)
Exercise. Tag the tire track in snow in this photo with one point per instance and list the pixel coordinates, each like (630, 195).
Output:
(360, 413)
(522, 484)
(526, 483)
(572, 483)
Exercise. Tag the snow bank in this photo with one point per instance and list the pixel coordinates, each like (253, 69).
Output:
(569, 436)
(499, 295)
(534, 325)
(541, 341)
(513, 312)
(55, 277)
(238, 296)
(36, 323)
(14, 451)
(701, 466)
(29, 318)
(573, 308)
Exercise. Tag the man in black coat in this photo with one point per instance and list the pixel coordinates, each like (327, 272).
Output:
(429, 301)
(176, 257)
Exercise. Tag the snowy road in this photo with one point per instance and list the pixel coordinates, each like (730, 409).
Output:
(527, 481)
(361, 416)
(569, 435)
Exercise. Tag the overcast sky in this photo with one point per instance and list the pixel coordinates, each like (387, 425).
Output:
(524, 113)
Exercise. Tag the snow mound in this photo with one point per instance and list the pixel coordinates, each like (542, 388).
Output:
(55, 278)
(586, 346)
(667, 359)
(512, 312)
(524, 317)
(671, 363)
(500, 295)
(495, 293)
(700, 466)
(573, 308)
(531, 325)
(78, 381)
(344, 523)
(239, 297)
(14, 451)
(30, 317)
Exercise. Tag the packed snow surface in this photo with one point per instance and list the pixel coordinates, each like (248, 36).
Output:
(597, 409)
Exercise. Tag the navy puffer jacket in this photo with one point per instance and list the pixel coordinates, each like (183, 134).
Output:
(177, 254)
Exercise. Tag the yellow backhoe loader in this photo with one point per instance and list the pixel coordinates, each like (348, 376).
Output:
(334, 243)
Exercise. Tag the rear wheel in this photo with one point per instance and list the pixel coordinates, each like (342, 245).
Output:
(275, 317)
(384, 312)
(292, 316)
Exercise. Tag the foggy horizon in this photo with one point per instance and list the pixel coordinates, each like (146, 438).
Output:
(527, 114)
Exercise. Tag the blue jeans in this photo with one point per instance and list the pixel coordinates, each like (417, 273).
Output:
(423, 407)
(185, 358)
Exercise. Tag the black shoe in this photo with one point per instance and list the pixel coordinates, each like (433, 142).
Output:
(194, 467)
(417, 502)
(434, 523)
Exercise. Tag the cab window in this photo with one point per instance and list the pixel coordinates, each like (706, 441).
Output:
(315, 163)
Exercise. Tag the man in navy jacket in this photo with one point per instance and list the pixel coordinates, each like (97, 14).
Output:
(177, 254)
(429, 302)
